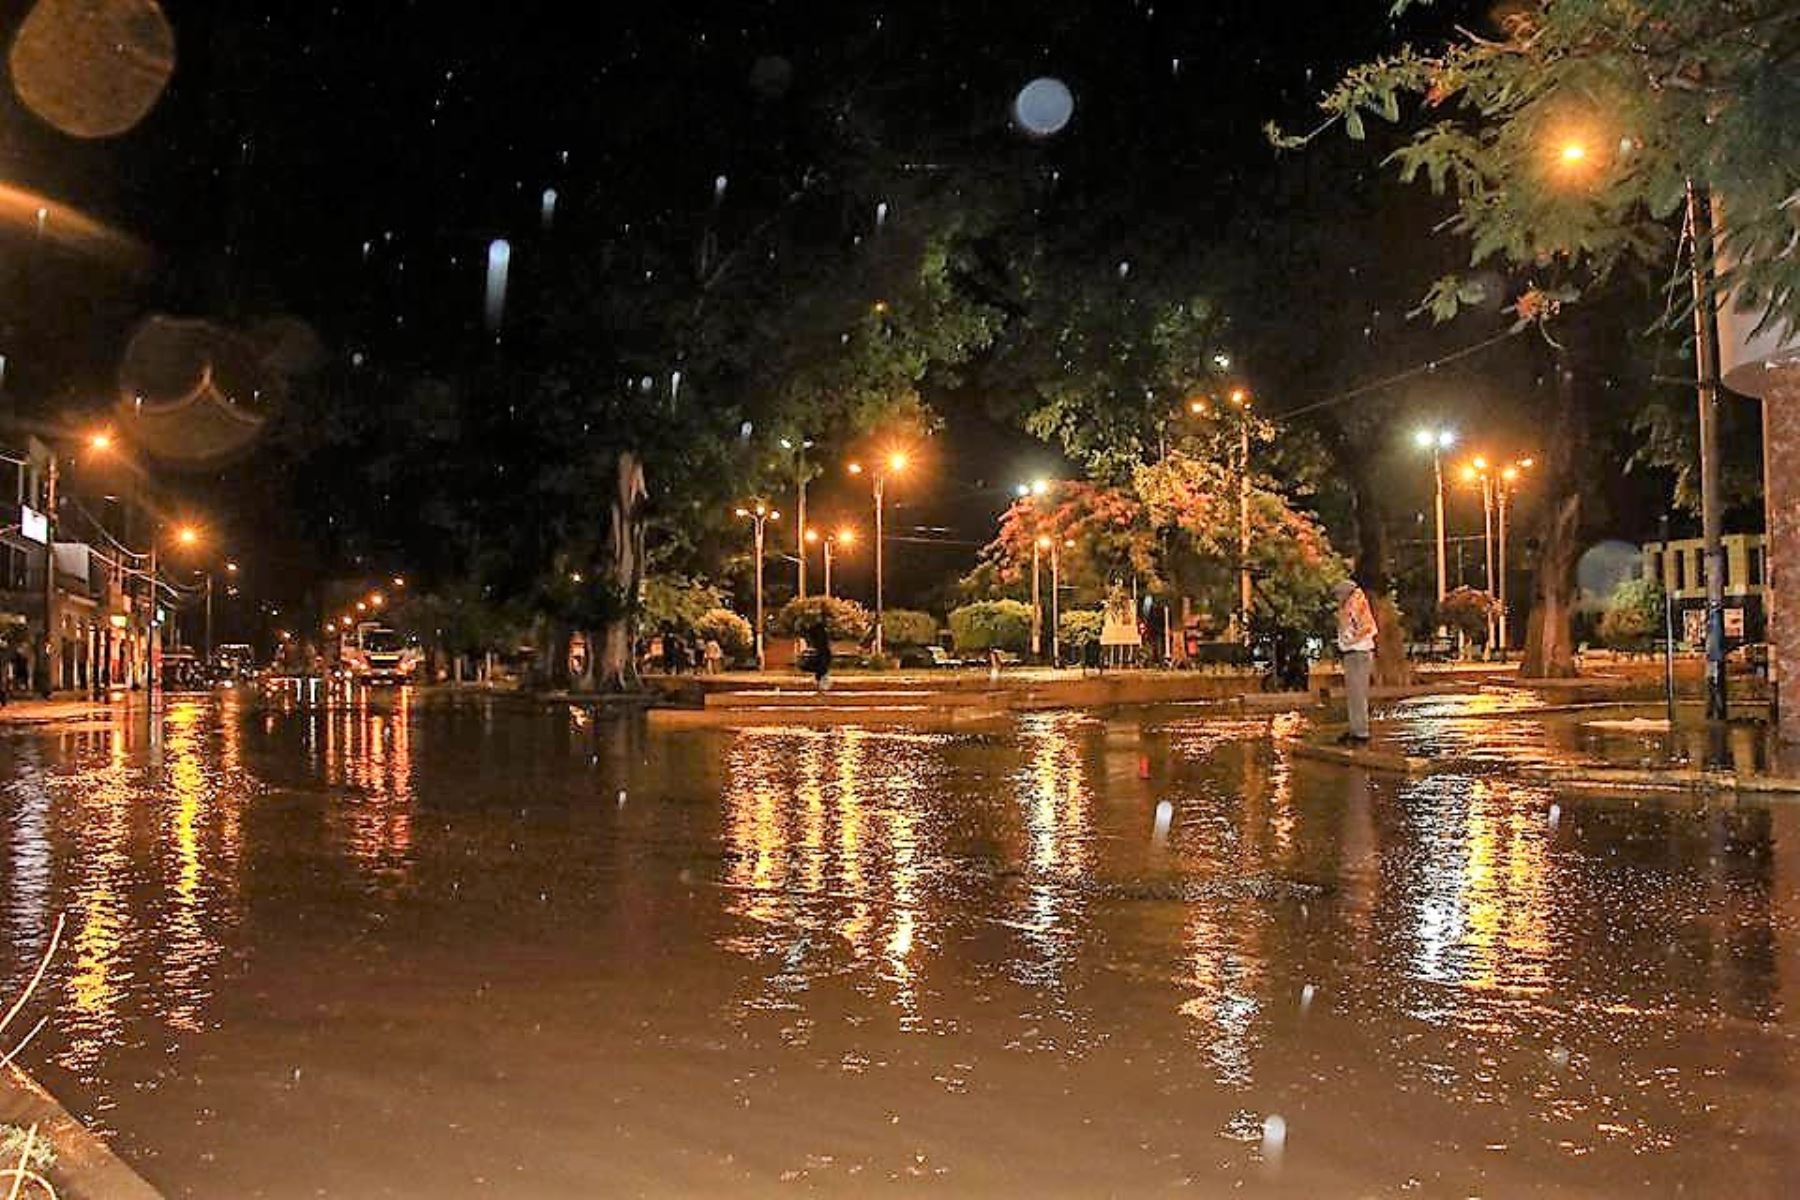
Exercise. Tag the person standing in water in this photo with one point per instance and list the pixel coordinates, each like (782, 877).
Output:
(1356, 631)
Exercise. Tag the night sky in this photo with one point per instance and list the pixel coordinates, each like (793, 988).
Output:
(348, 164)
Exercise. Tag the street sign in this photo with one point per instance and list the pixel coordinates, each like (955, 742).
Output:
(33, 525)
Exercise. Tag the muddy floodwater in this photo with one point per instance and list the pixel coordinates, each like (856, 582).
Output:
(445, 949)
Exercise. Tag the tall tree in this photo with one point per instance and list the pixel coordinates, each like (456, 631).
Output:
(1567, 145)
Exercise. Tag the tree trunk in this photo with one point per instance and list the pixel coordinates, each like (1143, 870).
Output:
(613, 666)
(1549, 637)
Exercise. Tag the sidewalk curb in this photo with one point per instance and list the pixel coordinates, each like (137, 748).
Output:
(1374, 760)
(1671, 780)
(86, 1168)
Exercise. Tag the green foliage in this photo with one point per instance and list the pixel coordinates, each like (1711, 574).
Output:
(1634, 615)
(907, 627)
(1078, 628)
(677, 602)
(1468, 611)
(1566, 143)
(845, 620)
(462, 618)
(733, 633)
(991, 624)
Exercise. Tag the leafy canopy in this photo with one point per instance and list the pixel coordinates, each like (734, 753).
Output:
(1567, 141)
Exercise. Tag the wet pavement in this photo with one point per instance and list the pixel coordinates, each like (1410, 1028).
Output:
(459, 949)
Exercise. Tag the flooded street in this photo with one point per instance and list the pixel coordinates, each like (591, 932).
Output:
(457, 949)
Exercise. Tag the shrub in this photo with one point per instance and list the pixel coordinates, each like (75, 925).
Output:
(846, 620)
(1079, 628)
(1467, 611)
(676, 602)
(733, 633)
(992, 624)
(1634, 615)
(907, 627)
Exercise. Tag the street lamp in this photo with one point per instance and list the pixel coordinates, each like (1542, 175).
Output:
(829, 544)
(759, 517)
(798, 449)
(1055, 548)
(1437, 441)
(1031, 491)
(1497, 485)
(895, 463)
(1240, 400)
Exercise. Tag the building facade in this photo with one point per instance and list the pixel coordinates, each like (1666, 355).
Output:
(1681, 566)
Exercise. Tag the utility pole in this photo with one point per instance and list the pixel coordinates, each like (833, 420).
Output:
(153, 647)
(51, 654)
(1668, 629)
(1706, 365)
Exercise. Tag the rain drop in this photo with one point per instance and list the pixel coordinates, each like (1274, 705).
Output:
(1165, 815)
(498, 264)
(745, 430)
(621, 797)
(1043, 107)
(1306, 997)
(1274, 1136)
(719, 185)
(881, 212)
(1555, 815)
(646, 385)
(549, 207)
(1124, 269)
(674, 387)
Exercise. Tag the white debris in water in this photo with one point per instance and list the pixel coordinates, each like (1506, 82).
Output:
(1274, 1136)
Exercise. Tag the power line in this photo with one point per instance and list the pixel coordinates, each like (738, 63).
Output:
(1422, 369)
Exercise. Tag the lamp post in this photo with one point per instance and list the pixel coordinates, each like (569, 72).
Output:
(1055, 548)
(893, 464)
(798, 449)
(1476, 473)
(1497, 485)
(759, 518)
(828, 544)
(1510, 475)
(1438, 441)
(1031, 491)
